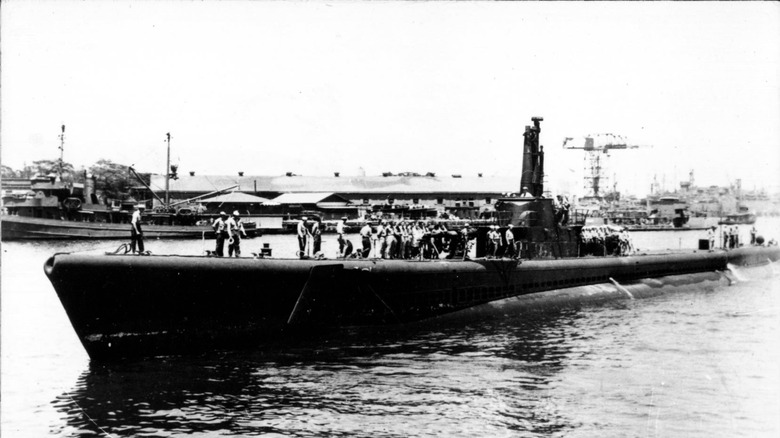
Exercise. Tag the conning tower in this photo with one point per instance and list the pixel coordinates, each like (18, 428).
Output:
(544, 229)
(533, 160)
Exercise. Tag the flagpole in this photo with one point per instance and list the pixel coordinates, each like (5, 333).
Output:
(168, 173)
(62, 150)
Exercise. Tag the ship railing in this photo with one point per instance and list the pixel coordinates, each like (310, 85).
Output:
(549, 250)
(503, 218)
(578, 217)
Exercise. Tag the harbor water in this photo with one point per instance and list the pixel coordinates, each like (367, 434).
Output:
(699, 360)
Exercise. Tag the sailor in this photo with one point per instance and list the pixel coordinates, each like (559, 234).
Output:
(465, 234)
(378, 239)
(510, 242)
(753, 233)
(494, 239)
(558, 209)
(303, 234)
(565, 207)
(235, 230)
(624, 242)
(489, 242)
(316, 236)
(365, 236)
(525, 193)
(136, 234)
(399, 239)
(418, 232)
(711, 237)
(438, 239)
(388, 247)
(340, 226)
(430, 250)
(340, 234)
(220, 230)
(406, 238)
(345, 247)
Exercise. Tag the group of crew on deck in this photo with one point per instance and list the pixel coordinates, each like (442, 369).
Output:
(309, 234)
(229, 229)
(502, 244)
(408, 240)
(421, 240)
(730, 237)
(605, 240)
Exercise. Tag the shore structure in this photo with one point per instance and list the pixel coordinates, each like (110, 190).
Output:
(128, 306)
(391, 196)
(46, 208)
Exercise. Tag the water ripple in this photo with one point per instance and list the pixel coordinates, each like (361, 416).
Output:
(683, 360)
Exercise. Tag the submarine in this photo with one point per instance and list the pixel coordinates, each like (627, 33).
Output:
(128, 306)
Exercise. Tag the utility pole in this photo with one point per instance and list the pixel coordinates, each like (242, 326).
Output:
(168, 173)
(62, 151)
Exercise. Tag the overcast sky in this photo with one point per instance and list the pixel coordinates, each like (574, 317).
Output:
(312, 88)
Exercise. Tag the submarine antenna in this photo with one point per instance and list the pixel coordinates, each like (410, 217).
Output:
(168, 173)
(62, 151)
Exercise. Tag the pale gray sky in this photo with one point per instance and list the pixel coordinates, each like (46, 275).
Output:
(270, 87)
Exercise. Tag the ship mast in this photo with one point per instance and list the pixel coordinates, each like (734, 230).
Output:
(168, 173)
(62, 152)
(532, 175)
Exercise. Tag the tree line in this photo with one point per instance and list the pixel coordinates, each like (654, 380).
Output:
(113, 179)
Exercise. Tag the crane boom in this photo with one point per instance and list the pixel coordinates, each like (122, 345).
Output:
(589, 143)
(596, 155)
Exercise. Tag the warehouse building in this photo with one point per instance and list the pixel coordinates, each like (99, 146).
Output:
(461, 196)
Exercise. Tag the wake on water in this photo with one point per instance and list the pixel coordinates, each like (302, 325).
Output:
(596, 294)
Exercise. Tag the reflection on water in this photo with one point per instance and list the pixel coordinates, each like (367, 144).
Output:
(454, 382)
(689, 360)
(695, 361)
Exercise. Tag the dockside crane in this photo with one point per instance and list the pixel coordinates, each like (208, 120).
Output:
(597, 148)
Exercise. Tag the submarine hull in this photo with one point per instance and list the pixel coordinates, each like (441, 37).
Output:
(125, 306)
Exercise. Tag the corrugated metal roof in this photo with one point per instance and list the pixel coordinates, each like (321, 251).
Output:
(344, 184)
(237, 198)
(310, 198)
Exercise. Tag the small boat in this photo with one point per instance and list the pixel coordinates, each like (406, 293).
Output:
(125, 306)
(30, 228)
(47, 217)
(50, 209)
(743, 217)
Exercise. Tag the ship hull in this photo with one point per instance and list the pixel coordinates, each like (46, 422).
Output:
(739, 219)
(29, 228)
(128, 306)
